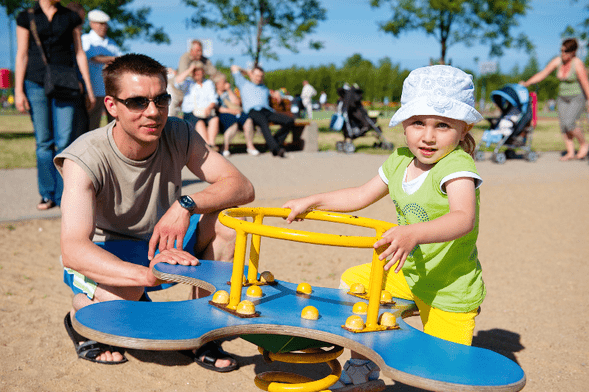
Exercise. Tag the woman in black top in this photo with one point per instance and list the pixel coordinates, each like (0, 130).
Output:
(52, 117)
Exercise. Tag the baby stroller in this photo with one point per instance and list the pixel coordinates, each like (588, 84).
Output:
(353, 120)
(513, 130)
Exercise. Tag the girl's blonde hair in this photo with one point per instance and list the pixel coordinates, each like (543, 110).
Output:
(468, 144)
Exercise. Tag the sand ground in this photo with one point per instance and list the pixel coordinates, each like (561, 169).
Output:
(533, 246)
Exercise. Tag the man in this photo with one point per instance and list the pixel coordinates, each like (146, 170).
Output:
(199, 101)
(100, 51)
(123, 181)
(194, 55)
(307, 97)
(255, 97)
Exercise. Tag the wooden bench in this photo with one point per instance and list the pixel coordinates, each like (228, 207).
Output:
(305, 135)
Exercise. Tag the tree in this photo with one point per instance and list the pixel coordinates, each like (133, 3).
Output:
(125, 24)
(459, 21)
(260, 25)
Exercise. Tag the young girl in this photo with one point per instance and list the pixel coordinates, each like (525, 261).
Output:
(434, 185)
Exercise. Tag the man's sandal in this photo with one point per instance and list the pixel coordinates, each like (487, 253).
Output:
(359, 375)
(207, 356)
(90, 349)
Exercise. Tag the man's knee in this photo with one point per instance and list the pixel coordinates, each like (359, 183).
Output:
(111, 293)
(224, 235)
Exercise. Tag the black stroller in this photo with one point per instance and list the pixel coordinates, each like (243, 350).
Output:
(353, 120)
(513, 129)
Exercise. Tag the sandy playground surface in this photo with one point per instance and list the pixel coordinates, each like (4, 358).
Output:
(533, 246)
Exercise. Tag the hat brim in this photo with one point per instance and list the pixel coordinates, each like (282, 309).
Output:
(451, 108)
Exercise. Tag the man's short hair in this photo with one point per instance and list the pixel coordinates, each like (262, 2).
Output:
(570, 45)
(133, 63)
(196, 41)
(258, 67)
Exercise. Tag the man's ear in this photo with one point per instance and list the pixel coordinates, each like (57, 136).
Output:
(109, 103)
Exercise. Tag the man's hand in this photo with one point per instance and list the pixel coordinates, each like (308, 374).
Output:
(170, 230)
(170, 256)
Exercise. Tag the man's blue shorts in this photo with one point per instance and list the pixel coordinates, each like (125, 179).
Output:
(131, 251)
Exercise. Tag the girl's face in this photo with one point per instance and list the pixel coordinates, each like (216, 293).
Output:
(431, 138)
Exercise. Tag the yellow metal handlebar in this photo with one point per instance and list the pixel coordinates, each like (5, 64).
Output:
(225, 217)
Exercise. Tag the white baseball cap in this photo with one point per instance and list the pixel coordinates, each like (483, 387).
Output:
(98, 16)
(437, 90)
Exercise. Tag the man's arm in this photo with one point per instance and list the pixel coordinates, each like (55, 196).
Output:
(181, 76)
(78, 208)
(228, 187)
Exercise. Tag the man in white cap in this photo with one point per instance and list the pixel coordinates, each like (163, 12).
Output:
(100, 51)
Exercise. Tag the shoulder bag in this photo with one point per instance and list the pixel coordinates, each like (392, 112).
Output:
(60, 81)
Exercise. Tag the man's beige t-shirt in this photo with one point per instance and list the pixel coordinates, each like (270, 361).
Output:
(131, 196)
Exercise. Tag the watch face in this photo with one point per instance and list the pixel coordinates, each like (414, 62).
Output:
(187, 202)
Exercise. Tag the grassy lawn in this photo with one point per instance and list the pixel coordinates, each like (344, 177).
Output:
(17, 141)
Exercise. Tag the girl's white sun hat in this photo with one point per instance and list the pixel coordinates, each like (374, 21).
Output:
(438, 90)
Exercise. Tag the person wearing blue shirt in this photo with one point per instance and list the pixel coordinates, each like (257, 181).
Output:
(255, 98)
(100, 51)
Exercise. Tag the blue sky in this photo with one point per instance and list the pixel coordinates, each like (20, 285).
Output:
(352, 27)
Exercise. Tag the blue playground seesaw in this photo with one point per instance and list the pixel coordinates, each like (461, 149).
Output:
(290, 322)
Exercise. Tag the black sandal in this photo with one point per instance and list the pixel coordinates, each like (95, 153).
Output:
(210, 352)
(46, 204)
(90, 349)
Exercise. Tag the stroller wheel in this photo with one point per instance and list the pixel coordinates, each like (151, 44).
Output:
(386, 145)
(479, 155)
(339, 146)
(531, 156)
(499, 157)
(349, 147)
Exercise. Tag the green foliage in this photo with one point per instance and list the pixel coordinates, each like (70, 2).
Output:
(125, 24)
(459, 21)
(384, 80)
(582, 30)
(260, 26)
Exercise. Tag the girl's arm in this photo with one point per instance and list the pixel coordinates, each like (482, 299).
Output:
(459, 221)
(343, 200)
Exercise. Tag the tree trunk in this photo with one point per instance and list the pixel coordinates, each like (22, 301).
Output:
(259, 36)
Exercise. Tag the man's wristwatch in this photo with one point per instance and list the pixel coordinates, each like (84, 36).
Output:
(188, 203)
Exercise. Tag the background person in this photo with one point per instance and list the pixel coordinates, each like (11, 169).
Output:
(307, 95)
(123, 182)
(100, 51)
(255, 97)
(573, 92)
(322, 100)
(199, 101)
(53, 118)
(194, 55)
(232, 117)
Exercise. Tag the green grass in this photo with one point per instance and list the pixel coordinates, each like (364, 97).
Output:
(17, 140)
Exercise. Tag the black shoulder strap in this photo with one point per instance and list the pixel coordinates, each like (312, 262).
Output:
(36, 34)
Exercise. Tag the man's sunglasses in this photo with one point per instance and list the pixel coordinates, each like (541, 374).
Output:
(139, 104)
